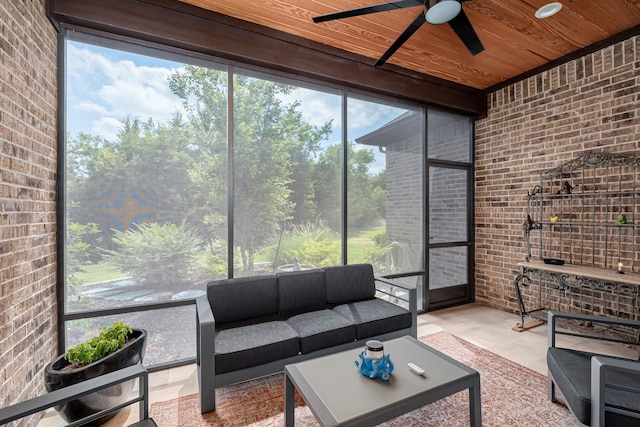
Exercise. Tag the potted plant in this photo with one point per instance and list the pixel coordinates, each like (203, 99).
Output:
(115, 348)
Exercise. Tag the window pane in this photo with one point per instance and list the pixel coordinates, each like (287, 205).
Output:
(449, 136)
(414, 281)
(385, 186)
(145, 178)
(286, 169)
(171, 332)
(447, 205)
(145, 191)
(447, 267)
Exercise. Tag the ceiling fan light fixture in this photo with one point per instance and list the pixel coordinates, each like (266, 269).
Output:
(548, 10)
(443, 11)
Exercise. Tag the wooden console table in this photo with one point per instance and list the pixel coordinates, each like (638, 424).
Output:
(574, 288)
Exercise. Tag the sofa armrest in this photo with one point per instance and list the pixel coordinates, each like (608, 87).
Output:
(84, 388)
(599, 367)
(407, 299)
(552, 327)
(205, 354)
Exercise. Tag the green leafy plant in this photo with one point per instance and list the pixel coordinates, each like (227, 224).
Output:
(312, 243)
(390, 258)
(157, 254)
(110, 339)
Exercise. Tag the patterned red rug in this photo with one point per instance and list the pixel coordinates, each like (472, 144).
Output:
(511, 396)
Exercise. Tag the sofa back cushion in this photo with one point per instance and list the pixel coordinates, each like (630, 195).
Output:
(243, 298)
(302, 291)
(348, 283)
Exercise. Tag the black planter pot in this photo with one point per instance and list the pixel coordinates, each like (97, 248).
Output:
(56, 378)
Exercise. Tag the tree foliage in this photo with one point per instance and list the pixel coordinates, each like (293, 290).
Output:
(162, 176)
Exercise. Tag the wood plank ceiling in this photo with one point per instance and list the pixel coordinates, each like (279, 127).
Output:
(515, 41)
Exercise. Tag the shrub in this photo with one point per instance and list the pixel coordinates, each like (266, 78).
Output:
(157, 254)
(390, 258)
(312, 243)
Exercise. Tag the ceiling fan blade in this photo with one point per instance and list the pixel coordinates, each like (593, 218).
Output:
(383, 7)
(412, 28)
(463, 28)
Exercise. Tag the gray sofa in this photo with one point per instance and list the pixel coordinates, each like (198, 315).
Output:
(253, 326)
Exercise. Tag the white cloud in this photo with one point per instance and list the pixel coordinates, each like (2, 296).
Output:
(364, 116)
(105, 86)
(317, 108)
(107, 127)
(104, 89)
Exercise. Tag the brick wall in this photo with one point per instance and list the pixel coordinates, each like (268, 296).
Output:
(404, 195)
(587, 105)
(27, 197)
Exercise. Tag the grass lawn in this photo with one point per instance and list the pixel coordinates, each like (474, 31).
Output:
(372, 232)
(99, 273)
(356, 246)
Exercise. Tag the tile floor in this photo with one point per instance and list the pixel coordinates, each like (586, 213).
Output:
(483, 326)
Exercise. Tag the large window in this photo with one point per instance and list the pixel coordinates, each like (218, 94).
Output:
(385, 160)
(179, 171)
(284, 164)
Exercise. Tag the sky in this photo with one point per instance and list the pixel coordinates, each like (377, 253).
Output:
(105, 86)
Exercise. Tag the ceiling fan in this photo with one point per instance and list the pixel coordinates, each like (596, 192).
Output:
(437, 12)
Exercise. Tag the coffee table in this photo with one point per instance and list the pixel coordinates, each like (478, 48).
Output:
(338, 395)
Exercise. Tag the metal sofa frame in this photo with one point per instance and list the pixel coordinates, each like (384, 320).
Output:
(75, 391)
(208, 381)
(600, 366)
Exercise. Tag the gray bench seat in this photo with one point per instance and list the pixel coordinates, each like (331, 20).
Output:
(374, 317)
(321, 329)
(251, 345)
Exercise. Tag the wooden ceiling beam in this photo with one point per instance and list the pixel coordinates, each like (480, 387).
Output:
(191, 29)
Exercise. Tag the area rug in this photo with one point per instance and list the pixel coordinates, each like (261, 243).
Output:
(512, 395)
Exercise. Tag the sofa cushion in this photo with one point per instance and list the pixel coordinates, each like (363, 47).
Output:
(301, 291)
(243, 298)
(347, 283)
(374, 317)
(252, 345)
(571, 370)
(322, 329)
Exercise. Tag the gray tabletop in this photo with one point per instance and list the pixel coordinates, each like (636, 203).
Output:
(338, 393)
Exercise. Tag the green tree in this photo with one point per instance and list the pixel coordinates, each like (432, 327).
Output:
(141, 176)
(365, 193)
(118, 187)
(203, 92)
(78, 250)
(272, 146)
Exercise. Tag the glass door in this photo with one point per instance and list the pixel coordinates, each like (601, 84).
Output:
(449, 266)
(449, 245)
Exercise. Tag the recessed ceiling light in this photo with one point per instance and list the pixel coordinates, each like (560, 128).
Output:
(548, 10)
